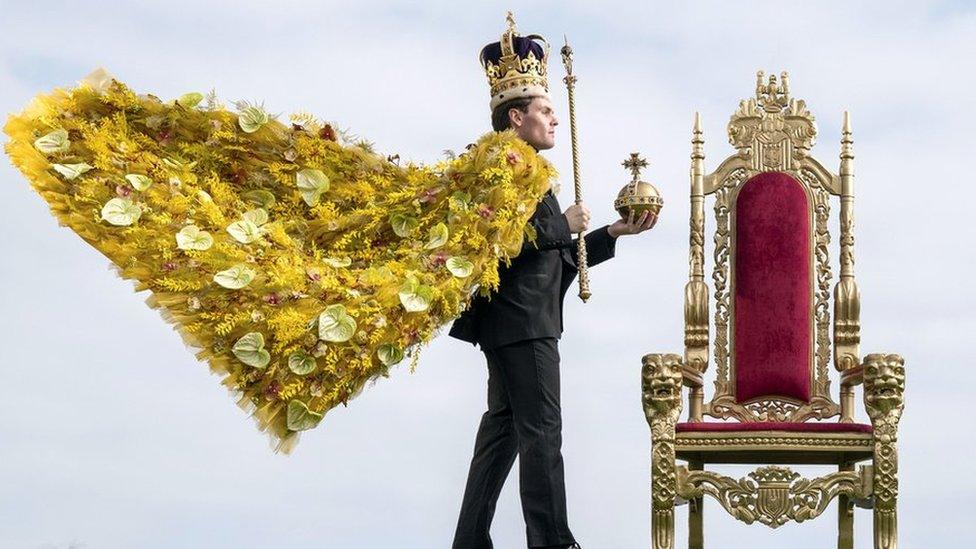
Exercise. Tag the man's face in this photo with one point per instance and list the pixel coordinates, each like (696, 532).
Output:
(537, 126)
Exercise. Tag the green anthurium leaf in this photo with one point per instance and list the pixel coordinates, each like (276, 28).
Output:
(300, 418)
(258, 216)
(460, 200)
(192, 238)
(235, 278)
(301, 363)
(54, 142)
(71, 171)
(460, 267)
(139, 182)
(252, 118)
(190, 100)
(177, 164)
(260, 197)
(250, 350)
(336, 325)
(121, 212)
(437, 236)
(311, 184)
(337, 262)
(389, 354)
(415, 297)
(403, 225)
(245, 231)
(99, 80)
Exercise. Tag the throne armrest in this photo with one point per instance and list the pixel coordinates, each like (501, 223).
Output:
(852, 377)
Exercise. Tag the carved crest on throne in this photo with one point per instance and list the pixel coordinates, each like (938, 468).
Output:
(772, 130)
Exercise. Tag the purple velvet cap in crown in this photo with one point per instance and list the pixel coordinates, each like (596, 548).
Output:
(516, 65)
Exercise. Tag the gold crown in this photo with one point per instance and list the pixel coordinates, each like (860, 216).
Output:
(510, 75)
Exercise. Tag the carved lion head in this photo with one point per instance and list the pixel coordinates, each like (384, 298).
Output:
(661, 383)
(884, 382)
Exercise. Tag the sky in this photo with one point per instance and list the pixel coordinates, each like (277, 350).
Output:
(114, 436)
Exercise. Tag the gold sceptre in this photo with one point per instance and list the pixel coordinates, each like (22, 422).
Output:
(570, 80)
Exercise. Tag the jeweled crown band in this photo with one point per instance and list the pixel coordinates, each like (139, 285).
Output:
(515, 65)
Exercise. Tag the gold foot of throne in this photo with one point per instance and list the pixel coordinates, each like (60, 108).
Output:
(772, 277)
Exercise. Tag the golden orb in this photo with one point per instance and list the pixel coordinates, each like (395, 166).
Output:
(637, 196)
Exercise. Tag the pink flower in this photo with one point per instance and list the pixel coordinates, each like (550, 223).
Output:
(272, 299)
(123, 190)
(438, 259)
(485, 211)
(169, 266)
(428, 195)
(513, 157)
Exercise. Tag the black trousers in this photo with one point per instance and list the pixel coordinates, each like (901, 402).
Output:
(523, 419)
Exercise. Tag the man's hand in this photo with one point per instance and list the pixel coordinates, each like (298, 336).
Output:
(578, 216)
(630, 226)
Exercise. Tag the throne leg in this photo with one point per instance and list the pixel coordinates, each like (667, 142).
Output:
(663, 489)
(661, 399)
(845, 516)
(886, 495)
(696, 519)
(884, 389)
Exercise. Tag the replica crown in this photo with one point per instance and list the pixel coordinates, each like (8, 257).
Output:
(516, 65)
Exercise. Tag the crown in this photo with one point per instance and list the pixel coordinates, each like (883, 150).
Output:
(515, 65)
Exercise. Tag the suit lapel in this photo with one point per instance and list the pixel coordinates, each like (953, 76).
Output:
(551, 203)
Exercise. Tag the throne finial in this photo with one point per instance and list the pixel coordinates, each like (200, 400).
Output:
(771, 96)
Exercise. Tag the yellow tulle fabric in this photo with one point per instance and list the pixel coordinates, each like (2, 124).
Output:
(298, 265)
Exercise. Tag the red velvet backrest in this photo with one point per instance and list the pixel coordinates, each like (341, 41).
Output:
(772, 311)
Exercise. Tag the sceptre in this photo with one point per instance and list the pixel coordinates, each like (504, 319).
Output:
(570, 80)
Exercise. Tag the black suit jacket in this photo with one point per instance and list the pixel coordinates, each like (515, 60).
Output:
(529, 301)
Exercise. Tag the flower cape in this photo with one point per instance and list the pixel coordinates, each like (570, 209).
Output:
(298, 265)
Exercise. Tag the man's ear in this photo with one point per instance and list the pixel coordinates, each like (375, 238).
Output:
(515, 117)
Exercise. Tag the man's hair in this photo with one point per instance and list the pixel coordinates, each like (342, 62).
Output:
(499, 117)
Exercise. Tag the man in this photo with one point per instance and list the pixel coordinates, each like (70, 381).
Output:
(518, 327)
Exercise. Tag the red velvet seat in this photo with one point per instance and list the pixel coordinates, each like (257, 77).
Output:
(807, 427)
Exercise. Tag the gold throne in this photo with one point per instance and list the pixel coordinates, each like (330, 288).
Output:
(772, 342)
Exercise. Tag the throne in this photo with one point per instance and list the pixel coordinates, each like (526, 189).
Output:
(772, 344)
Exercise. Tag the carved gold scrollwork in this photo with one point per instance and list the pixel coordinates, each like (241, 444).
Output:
(821, 203)
(772, 409)
(720, 277)
(773, 495)
(772, 130)
(661, 399)
(697, 244)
